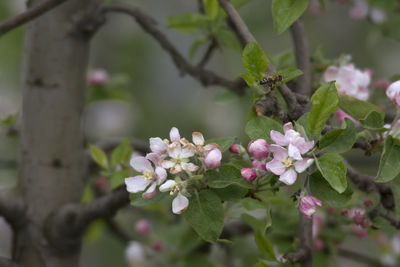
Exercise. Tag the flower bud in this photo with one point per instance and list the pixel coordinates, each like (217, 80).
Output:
(358, 219)
(98, 77)
(393, 93)
(318, 245)
(359, 231)
(213, 159)
(143, 227)
(368, 202)
(101, 184)
(359, 10)
(382, 84)
(344, 212)
(259, 165)
(248, 174)
(308, 206)
(341, 115)
(258, 148)
(234, 148)
(157, 245)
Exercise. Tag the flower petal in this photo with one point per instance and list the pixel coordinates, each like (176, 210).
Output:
(180, 204)
(174, 150)
(330, 74)
(198, 138)
(158, 146)
(294, 152)
(187, 151)
(174, 135)
(150, 192)
(161, 175)
(141, 164)
(279, 152)
(275, 166)
(136, 184)
(289, 177)
(279, 138)
(154, 157)
(190, 167)
(302, 165)
(167, 164)
(167, 186)
(287, 126)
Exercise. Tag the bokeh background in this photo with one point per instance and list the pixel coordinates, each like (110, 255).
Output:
(156, 97)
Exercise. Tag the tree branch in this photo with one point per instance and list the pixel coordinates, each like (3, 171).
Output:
(7, 263)
(28, 15)
(358, 257)
(303, 83)
(378, 213)
(148, 24)
(210, 49)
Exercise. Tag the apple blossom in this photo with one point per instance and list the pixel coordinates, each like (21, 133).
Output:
(258, 148)
(368, 202)
(98, 77)
(157, 245)
(179, 158)
(135, 254)
(359, 10)
(143, 227)
(393, 92)
(308, 205)
(248, 174)
(349, 80)
(234, 148)
(259, 165)
(213, 159)
(359, 231)
(285, 166)
(150, 178)
(180, 202)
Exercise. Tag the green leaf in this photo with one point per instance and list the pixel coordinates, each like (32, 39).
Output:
(211, 7)
(340, 140)
(9, 120)
(118, 178)
(226, 96)
(333, 170)
(261, 126)
(232, 192)
(285, 12)
(226, 175)
(264, 245)
(227, 39)
(321, 189)
(195, 46)
(197, 260)
(389, 166)
(206, 215)
(122, 153)
(369, 115)
(223, 143)
(188, 23)
(248, 79)
(288, 75)
(255, 61)
(253, 204)
(99, 156)
(239, 3)
(323, 103)
(138, 201)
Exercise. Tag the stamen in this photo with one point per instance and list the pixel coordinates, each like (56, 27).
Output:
(148, 174)
(287, 162)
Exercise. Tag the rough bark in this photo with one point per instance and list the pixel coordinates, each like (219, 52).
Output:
(52, 159)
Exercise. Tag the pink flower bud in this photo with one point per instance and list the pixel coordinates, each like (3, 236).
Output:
(143, 227)
(258, 148)
(393, 92)
(358, 218)
(382, 84)
(341, 115)
(213, 159)
(98, 77)
(234, 148)
(318, 245)
(248, 174)
(101, 184)
(308, 206)
(359, 231)
(157, 245)
(368, 202)
(259, 165)
(359, 10)
(344, 212)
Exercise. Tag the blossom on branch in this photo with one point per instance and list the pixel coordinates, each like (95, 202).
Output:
(308, 206)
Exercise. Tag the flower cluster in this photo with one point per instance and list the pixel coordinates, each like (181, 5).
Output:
(360, 10)
(181, 158)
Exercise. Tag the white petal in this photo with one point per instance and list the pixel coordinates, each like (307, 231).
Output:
(187, 152)
(161, 175)
(330, 74)
(197, 138)
(167, 164)
(302, 165)
(154, 157)
(150, 192)
(211, 146)
(279, 152)
(174, 150)
(180, 204)
(176, 169)
(167, 186)
(275, 166)
(157, 145)
(136, 184)
(289, 177)
(141, 164)
(294, 152)
(190, 167)
(287, 126)
(174, 135)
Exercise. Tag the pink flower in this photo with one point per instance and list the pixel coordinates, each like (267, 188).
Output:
(98, 77)
(318, 245)
(393, 92)
(293, 140)
(359, 231)
(248, 174)
(368, 202)
(258, 148)
(234, 148)
(359, 10)
(285, 166)
(180, 202)
(157, 245)
(143, 227)
(349, 80)
(213, 159)
(150, 178)
(378, 16)
(101, 184)
(259, 165)
(341, 115)
(308, 206)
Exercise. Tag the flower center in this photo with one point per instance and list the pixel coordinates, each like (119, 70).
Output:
(148, 175)
(287, 162)
(174, 190)
(337, 85)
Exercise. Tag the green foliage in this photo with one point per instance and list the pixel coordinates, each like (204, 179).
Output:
(197, 260)
(389, 166)
(231, 192)
(99, 156)
(288, 75)
(226, 175)
(118, 178)
(323, 103)
(340, 140)
(369, 115)
(254, 61)
(227, 39)
(211, 8)
(285, 12)
(138, 201)
(321, 189)
(188, 23)
(264, 245)
(261, 126)
(333, 170)
(224, 142)
(206, 215)
(9, 120)
(122, 153)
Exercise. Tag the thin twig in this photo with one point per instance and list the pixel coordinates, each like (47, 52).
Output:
(376, 212)
(359, 257)
(148, 24)
(28, 15)
(303, 83)
(207, 55)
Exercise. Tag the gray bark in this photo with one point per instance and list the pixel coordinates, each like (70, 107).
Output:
(52, 162)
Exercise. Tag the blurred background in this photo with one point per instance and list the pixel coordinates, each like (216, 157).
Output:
(149, 95)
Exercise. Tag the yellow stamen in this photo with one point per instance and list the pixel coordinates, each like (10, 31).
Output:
(148, 175)
(287, 162)
(174, 190)
(337, 85)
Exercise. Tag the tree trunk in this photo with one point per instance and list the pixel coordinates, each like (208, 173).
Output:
(52, 165)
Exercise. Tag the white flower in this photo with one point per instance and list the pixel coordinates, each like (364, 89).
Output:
(135, 254)
(393, 92)
(180, 202)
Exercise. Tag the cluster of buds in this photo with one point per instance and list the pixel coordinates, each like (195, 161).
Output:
(181, 158)
(360, 10)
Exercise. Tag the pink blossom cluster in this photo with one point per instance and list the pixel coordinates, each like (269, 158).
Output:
(360, 10)
(181, 158)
